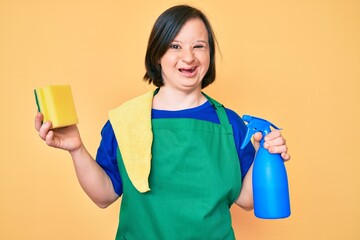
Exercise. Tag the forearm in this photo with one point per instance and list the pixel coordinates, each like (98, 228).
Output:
(245, 199)
(92, 178)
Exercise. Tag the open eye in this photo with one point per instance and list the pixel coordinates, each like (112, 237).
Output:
(174, 46)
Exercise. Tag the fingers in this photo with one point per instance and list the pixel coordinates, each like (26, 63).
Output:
(273, 135)
(277, 149)
(48, 135)
(44, 130)
(276, 143)
(280, 149)
(49, 139)
(38, 120)
(285, 156)
(279, 141)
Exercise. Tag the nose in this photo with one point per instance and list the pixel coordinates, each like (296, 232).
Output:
(187, 56)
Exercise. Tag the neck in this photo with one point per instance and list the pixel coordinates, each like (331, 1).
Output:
(169, 99)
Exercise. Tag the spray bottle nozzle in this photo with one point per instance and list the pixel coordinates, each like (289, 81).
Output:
(255, 125)
(247, 118)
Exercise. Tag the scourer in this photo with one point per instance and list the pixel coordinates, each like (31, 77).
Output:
(56, 103)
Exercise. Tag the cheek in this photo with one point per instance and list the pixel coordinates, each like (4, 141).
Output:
(205, 60)
(205, 57)
(168, 60)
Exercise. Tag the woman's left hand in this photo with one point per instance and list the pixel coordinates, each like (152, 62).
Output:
(274, 142)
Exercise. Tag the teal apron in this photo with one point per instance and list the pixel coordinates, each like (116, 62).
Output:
(195, 178)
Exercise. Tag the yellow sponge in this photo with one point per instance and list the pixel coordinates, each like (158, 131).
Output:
(56, 103)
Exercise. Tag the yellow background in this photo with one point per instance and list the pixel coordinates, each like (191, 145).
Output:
(296, 63)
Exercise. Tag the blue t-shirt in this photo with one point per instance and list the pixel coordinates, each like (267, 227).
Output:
(106, 154)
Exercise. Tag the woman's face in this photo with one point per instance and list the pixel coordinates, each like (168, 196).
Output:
(187, 60)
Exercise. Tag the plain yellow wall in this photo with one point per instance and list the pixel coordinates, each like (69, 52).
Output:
(296, 63)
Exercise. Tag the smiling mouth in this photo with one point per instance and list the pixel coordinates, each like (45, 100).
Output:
(187, 70)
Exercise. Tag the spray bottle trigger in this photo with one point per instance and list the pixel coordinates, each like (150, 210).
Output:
(251, 131)
(254, 125)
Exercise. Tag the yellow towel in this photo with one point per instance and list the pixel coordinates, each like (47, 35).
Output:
(132, 127)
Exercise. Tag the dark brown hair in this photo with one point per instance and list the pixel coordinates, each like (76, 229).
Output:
(164, 31)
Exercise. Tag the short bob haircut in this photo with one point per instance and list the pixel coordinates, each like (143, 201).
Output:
(164, 31)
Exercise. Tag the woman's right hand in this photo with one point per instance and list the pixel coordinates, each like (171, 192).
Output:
(66, 138)
(93, 179)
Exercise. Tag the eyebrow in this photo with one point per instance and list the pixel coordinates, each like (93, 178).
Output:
(197, 41)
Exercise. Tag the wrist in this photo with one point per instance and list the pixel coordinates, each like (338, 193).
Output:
(77, 151)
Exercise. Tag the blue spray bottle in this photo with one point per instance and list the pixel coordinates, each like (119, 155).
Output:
(269, 178)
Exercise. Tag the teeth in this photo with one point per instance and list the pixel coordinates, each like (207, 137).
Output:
(191, 70)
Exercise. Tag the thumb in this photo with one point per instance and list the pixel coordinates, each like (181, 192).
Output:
(257, 138)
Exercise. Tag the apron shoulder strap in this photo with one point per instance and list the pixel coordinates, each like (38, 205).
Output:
(220, 110)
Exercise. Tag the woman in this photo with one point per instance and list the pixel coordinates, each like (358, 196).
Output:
(174, 153)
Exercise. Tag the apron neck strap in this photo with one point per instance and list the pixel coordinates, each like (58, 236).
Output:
(220, 110)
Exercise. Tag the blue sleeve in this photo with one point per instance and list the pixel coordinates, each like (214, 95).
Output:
(247, 154)
(106, 157)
